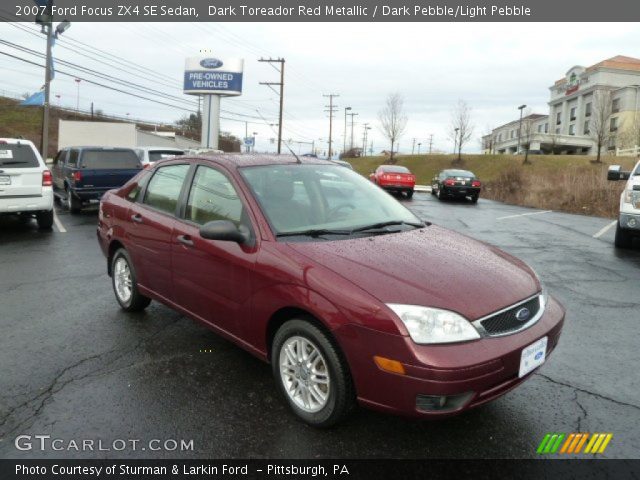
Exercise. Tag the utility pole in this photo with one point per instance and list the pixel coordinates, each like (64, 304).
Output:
(413, 147)
(48, 31)
(331, 109)
(430, 143)
(352, 123)
(271, 61)
(344, 144)
(521, 108)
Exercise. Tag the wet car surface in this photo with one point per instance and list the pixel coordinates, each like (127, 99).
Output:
(76, 367)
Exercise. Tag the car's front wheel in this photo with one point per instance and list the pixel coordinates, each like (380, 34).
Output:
(311, 373)
(623, 238)
(125, 285)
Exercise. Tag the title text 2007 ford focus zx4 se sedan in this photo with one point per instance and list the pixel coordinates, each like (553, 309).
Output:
(347, 294)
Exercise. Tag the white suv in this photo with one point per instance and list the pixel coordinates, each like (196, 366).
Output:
(25, 182)
(629, 221)
(150, 155)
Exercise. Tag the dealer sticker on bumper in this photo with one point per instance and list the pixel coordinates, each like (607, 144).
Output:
(533, 356)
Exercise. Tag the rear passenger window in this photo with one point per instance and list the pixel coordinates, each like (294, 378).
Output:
(164, 187)
(72, 159)
(134, 194)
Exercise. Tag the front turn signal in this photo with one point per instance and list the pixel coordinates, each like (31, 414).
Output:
(389, 365)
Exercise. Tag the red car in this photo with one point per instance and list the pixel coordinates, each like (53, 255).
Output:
(349, 296)
(394, 178)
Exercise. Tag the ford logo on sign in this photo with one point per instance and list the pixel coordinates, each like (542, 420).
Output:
(523, 314)
(210, 63)
(538, 356)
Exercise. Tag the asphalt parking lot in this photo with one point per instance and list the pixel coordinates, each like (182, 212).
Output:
(74, 366)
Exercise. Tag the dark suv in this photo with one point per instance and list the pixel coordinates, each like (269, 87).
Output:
(82, 174)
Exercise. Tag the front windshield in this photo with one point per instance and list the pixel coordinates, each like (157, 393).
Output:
(299, 198)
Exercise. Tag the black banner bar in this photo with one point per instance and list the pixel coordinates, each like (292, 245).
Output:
(327, 11)
(333, 469)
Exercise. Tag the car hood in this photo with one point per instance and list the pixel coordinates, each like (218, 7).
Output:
(431, 266)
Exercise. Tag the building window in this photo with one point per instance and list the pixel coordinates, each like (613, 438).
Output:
(587, 110)
(557, 131)
(499, 137)
(586, 128)
(558, 118)
(613, 125)
(546, 128)
(512, 134)
(540, 128)
(615, 105)
(572, 129)
(573, 113)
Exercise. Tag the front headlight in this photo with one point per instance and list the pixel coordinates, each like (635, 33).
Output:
(431, 325)
(632, 197)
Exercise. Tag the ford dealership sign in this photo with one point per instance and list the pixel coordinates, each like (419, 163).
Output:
(212, 76)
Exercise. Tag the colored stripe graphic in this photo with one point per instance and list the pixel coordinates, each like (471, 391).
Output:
(573, 443)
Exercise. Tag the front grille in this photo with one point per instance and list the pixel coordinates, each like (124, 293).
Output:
(506, 321)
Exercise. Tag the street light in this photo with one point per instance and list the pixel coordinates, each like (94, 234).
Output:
(352, 123)
(344, 145)
(521, 108)
(254, 141)
(419, 147)
(77, 80)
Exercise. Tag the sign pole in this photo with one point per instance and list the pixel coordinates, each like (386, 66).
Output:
(210, 122)
(47, 87)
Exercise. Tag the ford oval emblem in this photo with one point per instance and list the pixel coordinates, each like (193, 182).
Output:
(210, 63)
(538, 356)
(523, 314)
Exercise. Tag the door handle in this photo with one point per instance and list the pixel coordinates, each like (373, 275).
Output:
(136, 218)
(185, 240)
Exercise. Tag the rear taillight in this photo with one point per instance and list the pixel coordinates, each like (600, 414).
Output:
(449, 182)
(476, 183)
(47, 179)
(146, 166)
(77, 176)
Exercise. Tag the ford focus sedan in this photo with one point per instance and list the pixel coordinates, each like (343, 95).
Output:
(348, 295)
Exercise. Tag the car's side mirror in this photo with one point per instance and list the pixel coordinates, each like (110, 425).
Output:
(372, 175)
(223, 230)
(615, 173)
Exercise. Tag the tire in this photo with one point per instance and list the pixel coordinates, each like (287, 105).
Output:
(409, 193)
(74, 204)
(121, 268)
(474, 198)
(623, 238)
(45, 220)
(439, 195)
(339, 396)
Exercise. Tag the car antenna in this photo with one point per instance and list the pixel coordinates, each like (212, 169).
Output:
(285, 143)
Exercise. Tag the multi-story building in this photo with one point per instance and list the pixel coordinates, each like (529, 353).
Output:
(575, 102)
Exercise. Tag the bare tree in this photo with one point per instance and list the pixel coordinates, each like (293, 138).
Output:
(393, 120)
(600, 123)
(461, 126)
(629, 137)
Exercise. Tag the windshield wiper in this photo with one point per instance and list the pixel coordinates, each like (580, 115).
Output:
(314, 232)
(379, 225)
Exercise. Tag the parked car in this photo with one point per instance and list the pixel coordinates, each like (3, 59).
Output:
(394, 178)
(349, 295)
(25, 182)
(628, 225)
(82, 174)
(150, 155)
(456, 184)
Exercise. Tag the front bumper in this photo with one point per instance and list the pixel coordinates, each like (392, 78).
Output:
(486, 368)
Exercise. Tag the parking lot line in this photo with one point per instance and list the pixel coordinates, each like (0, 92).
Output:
(523, 214)
(604, 229)
(58, 223)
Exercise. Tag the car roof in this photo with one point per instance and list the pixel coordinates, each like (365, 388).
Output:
(167, 149)
(237, 160)
(15, 141)
(95, 147)
(458, 171)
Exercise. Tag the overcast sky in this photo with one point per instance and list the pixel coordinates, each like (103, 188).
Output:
(493, 67)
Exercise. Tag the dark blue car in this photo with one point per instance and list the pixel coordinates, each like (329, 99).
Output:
(82, 174)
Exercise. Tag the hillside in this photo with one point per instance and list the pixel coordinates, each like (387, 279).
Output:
(570, 183)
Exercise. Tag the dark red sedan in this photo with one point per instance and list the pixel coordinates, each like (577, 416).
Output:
(349, 296)
(394, 178)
